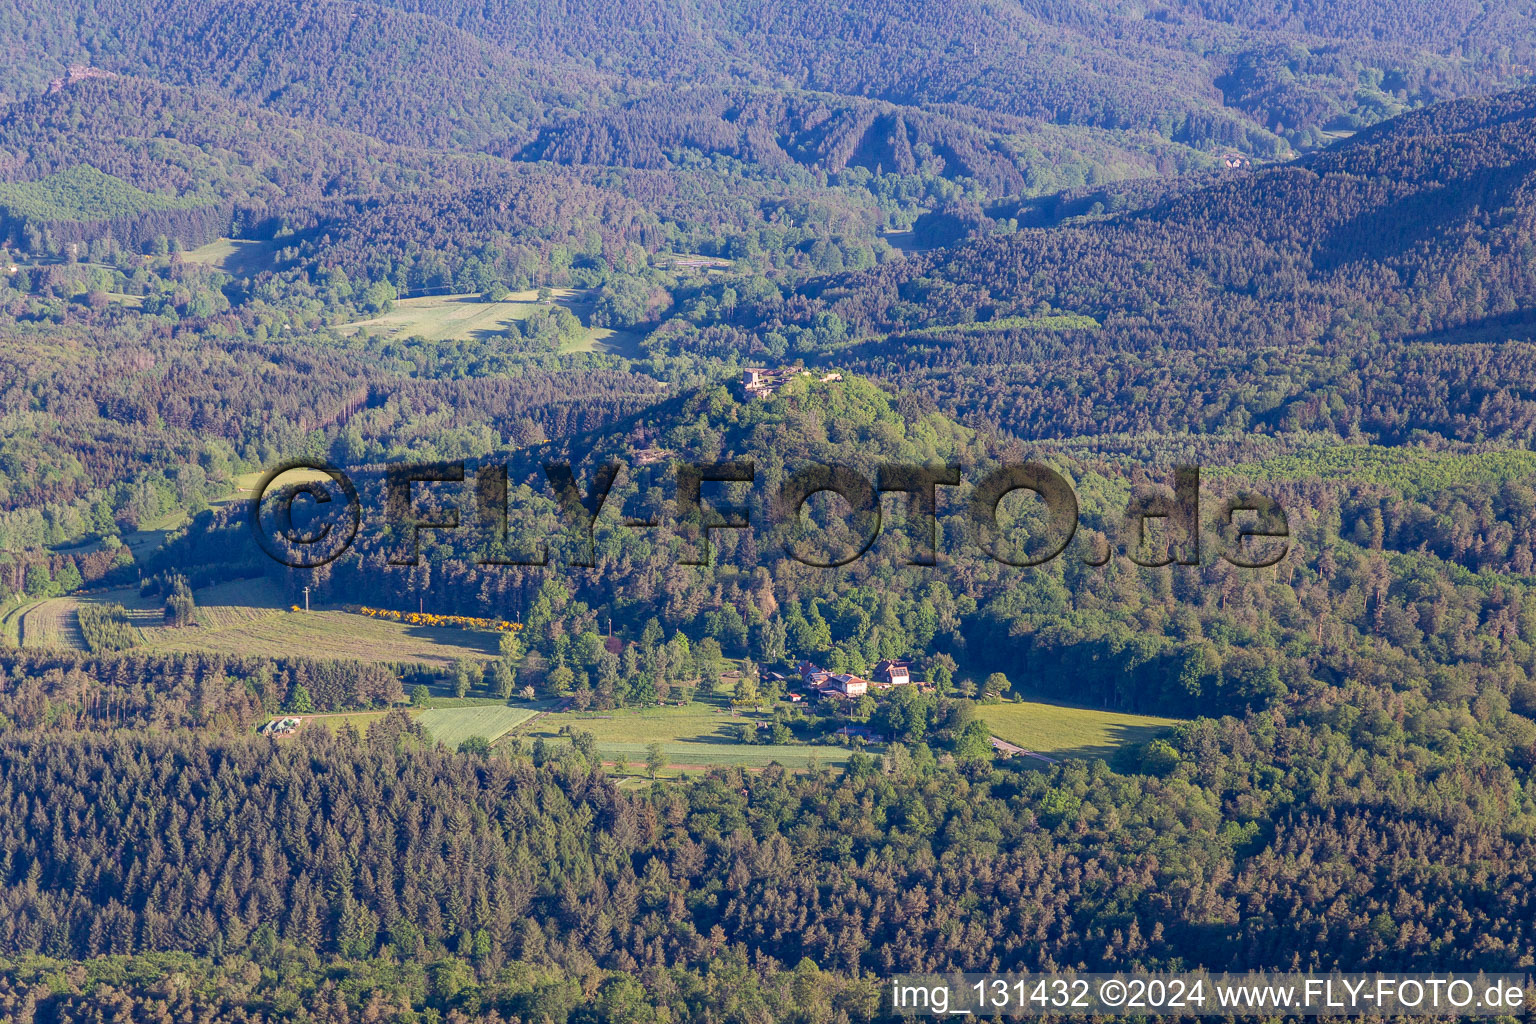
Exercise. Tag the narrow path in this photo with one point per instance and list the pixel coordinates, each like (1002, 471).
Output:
(565, 703)
(1012, 749)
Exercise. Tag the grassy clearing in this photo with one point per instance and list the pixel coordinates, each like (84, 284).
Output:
(237, 603)
(683, 755)
(329, 634)
(10, 622)
(452, 726)
(465, 316)
(694, 735)
(251, 617)
(246, 483)
(904, 240)
(695, 261)
(50, 623)
(698, 721)
(440, 317)
(238, 256)
(143, 612)
(1060, 731)
(359, 720)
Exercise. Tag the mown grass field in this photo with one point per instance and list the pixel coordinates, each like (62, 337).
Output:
(10, 622)
(233, 604)
(465, 316)
(49, 623)
(696, 756)
(699, 721)
(452, 726)
(359, 720)
(1059, 731)
(329, 634)
(237, 603)
(697, 735)
(251, 617)
(238, 256)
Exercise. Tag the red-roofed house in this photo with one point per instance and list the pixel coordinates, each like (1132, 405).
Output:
(851, 685)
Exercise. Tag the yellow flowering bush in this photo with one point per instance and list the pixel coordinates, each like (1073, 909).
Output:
(451, 621)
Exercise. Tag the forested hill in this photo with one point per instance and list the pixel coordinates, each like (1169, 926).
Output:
(1381, 288)
(1192, 71)
(397, 76)
(894, 86)
(184, 141)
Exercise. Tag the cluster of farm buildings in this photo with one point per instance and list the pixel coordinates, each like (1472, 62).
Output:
(816, 683)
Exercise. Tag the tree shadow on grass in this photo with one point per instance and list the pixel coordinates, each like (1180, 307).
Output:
(1117, 737)
(479, 641)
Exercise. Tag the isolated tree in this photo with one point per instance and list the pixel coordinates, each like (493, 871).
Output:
(505, 677)
(465, 674)
(996, 685)
(420, 695)
(655, 758)
(746, 692)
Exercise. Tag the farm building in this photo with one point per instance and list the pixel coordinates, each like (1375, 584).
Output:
(818, 682)
(850, 685)
(813, 676)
